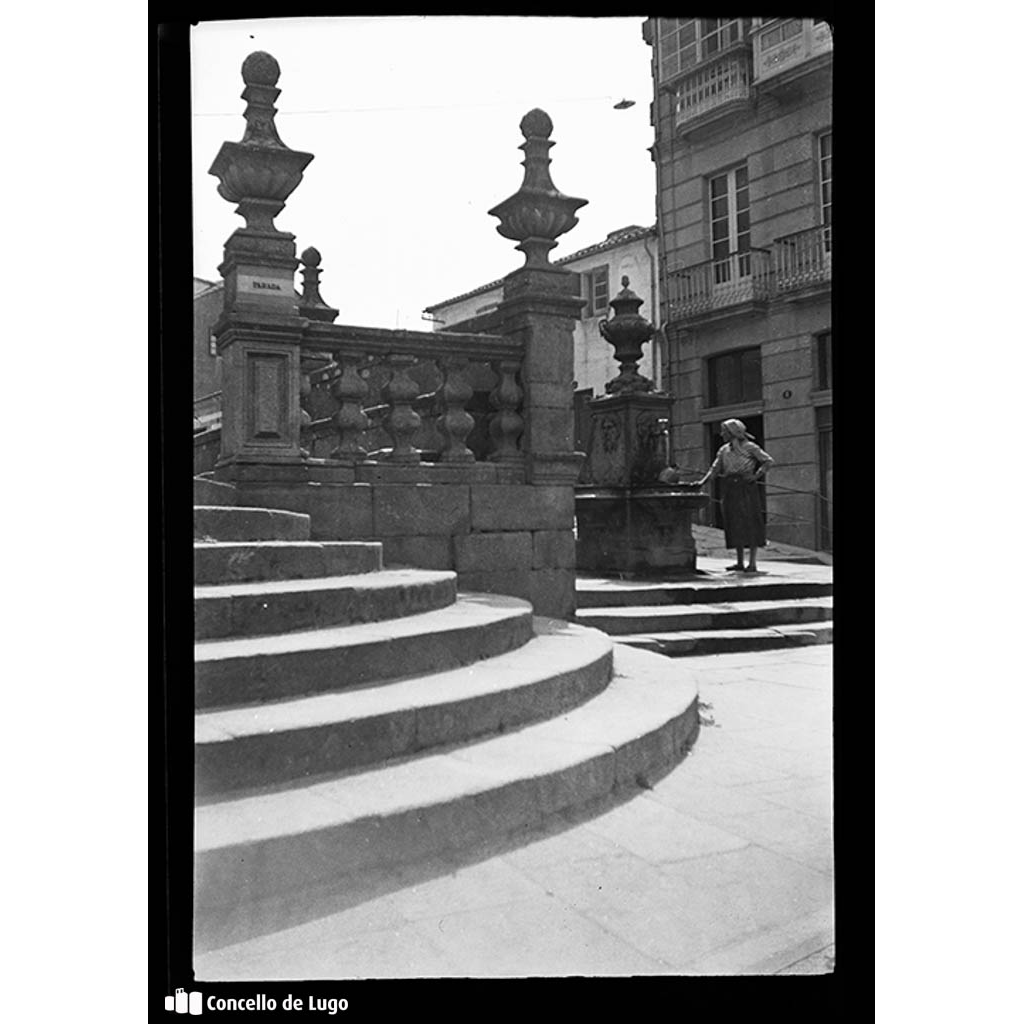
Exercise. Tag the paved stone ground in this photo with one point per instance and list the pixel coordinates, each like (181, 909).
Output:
(724, 866)
(711, 541)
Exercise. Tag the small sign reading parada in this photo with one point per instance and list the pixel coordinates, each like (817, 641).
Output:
(262, 285)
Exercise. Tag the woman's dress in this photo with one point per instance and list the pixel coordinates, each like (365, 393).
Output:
(736, 463)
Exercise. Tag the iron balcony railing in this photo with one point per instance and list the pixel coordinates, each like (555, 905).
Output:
(803, 258)
(719, 283)
(712, 86)
(795, 261)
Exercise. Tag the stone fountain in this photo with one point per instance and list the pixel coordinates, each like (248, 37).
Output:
(627, 521)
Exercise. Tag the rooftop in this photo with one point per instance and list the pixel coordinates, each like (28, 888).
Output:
(614, 239)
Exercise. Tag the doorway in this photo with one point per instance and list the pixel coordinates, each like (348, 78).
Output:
(823, 414)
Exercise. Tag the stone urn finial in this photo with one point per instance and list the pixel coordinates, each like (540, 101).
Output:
(627, 332)
(538, 213)
(312, 305)
(260, 172)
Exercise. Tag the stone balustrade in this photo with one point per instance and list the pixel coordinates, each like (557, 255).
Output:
(407, 397)
(454, 449)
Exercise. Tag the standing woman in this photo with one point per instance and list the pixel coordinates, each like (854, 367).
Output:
(740, 463)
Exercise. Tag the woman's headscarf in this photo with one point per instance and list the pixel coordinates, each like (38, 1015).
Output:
(737, 430)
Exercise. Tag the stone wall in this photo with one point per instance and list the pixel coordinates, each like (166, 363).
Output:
(501, 538)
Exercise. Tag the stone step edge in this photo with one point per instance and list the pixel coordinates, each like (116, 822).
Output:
(264, 560)
(208, 520)
(797, 633)
(656, 595)
(383, 579)
(715, 608)
(564, 664)
(639, 725)
(284, 606)
(247, 670)
(705, 621)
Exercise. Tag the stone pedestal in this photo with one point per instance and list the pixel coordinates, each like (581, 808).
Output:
(646, 532)
(261, 414)
(260, 331)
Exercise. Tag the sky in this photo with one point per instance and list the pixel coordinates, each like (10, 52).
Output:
(414, 127)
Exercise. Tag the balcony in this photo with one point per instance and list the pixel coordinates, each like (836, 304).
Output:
(803, 259)
(799, 266)
(708, 289)
(787, 49)
(713, 90)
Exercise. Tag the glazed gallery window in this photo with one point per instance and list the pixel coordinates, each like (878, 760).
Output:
(825, 176)
(781, 33)
(684, 42)
(594, 288)
(729, 211)
(735, 378)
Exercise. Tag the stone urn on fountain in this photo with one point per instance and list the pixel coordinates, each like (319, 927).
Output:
(627, 521)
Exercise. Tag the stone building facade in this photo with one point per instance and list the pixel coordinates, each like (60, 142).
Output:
(207, 303)
(742, 114)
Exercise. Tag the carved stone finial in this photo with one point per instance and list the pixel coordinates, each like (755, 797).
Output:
(627, 332)
(260, 172)
(312, 305)
(260, 68)
(538, 213)
(536, 123)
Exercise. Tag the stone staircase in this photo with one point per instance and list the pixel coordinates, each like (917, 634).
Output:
(710, 614)
(352, 718)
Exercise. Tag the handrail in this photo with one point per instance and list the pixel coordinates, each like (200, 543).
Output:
(779, 487)
(681, 268)
(383, 341)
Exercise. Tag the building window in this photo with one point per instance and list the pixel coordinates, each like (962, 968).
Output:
(735, 378)
(684, 42)
(825, 174)
(780, 33)
(824, 358)
(729, 202)
(594, 288)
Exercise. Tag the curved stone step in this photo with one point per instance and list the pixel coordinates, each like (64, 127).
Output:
(252, 669)
(212, 492)
(234, 523)
(562, 666)
(742, 615)
(265, 844)
(604, 593)
(283, 560)
(283, 606)
(730, 641)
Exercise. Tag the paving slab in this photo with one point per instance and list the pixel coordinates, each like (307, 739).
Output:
(622, 891)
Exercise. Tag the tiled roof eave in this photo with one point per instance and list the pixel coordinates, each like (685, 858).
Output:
(591, 250)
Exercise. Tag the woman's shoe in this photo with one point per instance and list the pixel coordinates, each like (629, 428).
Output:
(735, 568)
(751, 569)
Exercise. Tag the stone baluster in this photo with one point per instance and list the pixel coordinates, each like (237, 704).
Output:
(401, 420)
(349, 391)
(455, 424)
(506, 424)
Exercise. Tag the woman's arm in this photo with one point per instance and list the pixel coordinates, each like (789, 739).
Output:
(715, 467)
(765, 461)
